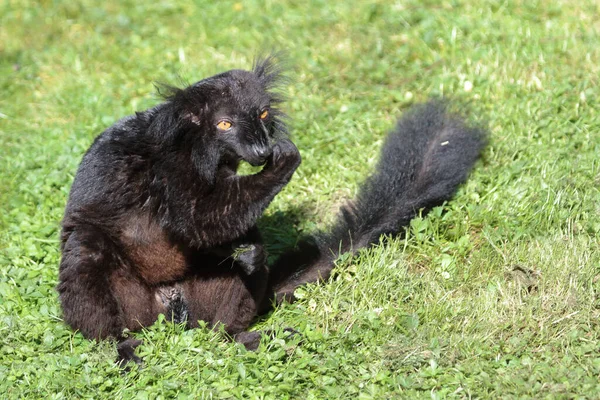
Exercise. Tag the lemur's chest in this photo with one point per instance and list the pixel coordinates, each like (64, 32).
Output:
(153, 255)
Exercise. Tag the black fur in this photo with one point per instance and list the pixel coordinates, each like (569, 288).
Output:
(423, 161)
(158, 221)
(157, 211)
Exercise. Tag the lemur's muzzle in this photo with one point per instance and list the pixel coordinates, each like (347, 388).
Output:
(260, 155)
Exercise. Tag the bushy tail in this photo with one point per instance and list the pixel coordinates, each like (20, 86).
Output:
(423, 161)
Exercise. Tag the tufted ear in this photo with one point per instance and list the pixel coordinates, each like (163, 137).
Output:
(270, 70)
(166, 91)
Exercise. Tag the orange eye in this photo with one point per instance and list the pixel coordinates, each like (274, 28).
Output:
(224, 125)
(264, 114)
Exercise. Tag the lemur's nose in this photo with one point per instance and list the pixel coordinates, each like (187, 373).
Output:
(259, 155)
(263, 152)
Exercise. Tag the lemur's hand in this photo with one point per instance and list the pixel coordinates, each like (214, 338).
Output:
(285, 159)
(251, 257)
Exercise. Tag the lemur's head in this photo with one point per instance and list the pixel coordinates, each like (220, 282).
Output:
(236, 110)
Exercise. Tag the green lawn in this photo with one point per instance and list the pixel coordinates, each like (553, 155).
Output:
(496, 294)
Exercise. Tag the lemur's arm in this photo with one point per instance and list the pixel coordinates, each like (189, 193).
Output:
(236, 202)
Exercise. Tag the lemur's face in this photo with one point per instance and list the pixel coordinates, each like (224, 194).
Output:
(241, 114)
(242, 119)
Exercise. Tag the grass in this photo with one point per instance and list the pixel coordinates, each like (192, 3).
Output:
(496, 294)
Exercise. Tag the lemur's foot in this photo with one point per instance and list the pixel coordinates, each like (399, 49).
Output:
(251, 340)
(126, 353)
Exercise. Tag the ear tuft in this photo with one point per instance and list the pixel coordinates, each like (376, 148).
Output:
(166, 91)
(269, 68)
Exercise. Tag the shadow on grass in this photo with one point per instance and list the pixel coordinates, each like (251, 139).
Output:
(281, 232)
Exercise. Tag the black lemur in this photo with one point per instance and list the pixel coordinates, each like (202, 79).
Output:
(158, 221)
